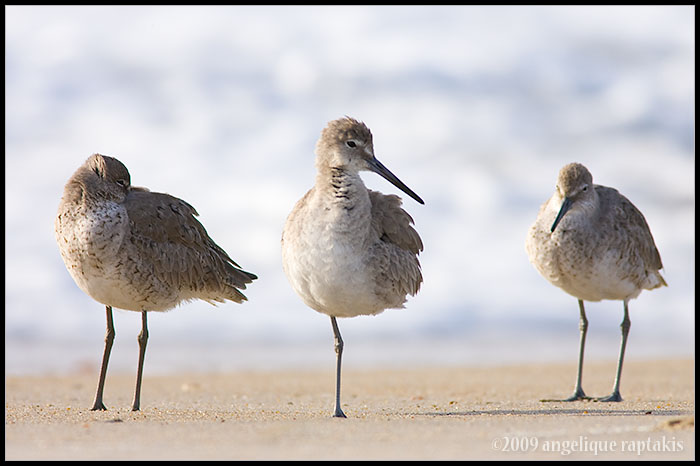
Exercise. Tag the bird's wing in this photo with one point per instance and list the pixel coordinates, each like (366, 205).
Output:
(392, 223)
(169, 233)
(626, 217)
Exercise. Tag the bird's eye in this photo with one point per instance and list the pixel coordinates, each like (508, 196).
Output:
(122, 183)
(585, 188)
(350, 143)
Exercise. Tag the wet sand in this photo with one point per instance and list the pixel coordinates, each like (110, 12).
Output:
(421, 413)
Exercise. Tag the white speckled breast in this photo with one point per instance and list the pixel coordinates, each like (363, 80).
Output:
(89, 241)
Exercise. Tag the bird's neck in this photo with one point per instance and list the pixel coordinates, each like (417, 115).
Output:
(342, 188)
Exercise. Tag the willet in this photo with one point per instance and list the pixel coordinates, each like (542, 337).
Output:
(348, 250)
(593, 243)
(133, 249)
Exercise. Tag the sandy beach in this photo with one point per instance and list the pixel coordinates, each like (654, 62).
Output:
(422, 413)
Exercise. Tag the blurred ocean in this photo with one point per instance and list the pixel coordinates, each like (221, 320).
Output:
(475, 108)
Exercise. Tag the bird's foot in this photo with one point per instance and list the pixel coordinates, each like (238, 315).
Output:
(339, 412)
(98, 406)
(578, 395)
(613, 397)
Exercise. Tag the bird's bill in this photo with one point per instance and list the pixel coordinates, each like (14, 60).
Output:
(377, 167)
(565, 206)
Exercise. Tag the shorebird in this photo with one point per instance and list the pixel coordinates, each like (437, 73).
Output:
(133, 249)
(348, 250)
(593, 243)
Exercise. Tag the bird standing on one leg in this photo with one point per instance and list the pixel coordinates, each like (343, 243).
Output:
(593, 243)
(133, 249)
(348, 250)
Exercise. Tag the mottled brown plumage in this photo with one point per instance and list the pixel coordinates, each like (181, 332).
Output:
(137, 250)
(593, 243)
(398, 273)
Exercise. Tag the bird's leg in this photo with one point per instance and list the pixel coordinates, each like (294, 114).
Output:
(625, 327)
(109, 339)
(339, 352)
(143, 339)
(583, 327)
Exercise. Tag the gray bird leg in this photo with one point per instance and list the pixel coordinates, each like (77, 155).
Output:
(625, 327)
(143, 339)
(339, 352)
(583, 327)
(109, 339)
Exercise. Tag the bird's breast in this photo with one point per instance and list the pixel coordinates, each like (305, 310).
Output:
(89, 240)
(324, 257)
